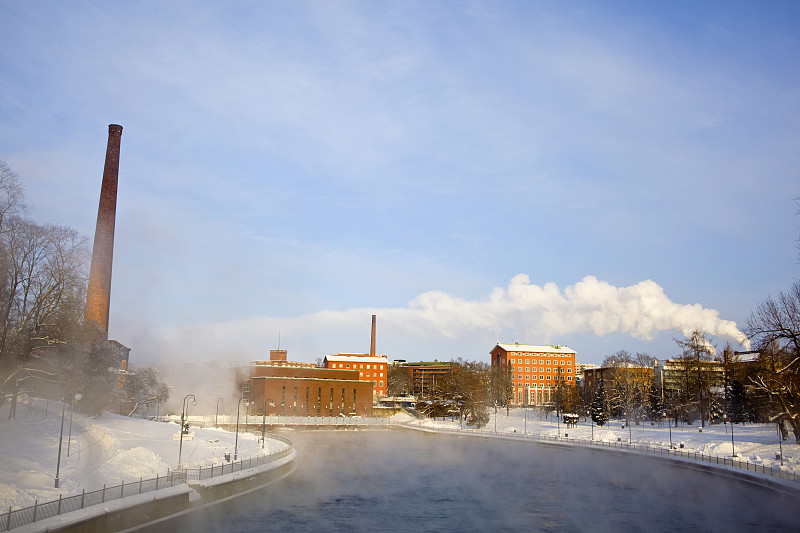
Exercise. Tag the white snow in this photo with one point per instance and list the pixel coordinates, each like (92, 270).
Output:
(106, 450)
(111, 448)
(755, 443)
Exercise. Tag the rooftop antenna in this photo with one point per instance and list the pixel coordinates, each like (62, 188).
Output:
(279, 339)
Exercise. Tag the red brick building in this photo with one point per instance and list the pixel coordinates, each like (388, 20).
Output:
(536, 371)
(372, 369)
(281, 387)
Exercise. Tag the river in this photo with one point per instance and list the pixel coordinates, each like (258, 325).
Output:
(411, 482)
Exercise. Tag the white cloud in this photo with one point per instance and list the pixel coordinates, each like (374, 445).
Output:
(537, 314)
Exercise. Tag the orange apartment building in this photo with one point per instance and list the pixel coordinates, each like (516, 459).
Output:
(372, 369)
(535, 370)
(281, 387)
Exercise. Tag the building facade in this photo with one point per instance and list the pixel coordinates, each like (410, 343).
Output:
(536, 371)
(422, 375)
(628, 376)
(281, 387)
(371, 369)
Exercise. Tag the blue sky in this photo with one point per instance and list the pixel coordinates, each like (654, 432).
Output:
(605, 175)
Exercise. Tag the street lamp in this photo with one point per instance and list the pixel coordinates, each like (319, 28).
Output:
(216, 416)
(184, 417)
(264, 420)
(236, 442)
(60, 437)
(75, 398)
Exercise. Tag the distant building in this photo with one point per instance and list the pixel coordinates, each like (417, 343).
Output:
(422, 375)
(579, 369)
(614, 376)
(536, 370)
(281, 387)
(372, 369)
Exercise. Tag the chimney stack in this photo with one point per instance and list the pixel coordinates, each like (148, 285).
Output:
(98, 293)
(372, 342)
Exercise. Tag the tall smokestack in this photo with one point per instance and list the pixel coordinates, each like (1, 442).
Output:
(98, 294)
(372, 341)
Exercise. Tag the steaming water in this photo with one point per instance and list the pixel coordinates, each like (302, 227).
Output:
(404, 481)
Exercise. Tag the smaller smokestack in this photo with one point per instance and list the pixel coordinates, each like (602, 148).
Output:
(372, 342)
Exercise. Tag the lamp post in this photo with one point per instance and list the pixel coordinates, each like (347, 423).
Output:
(183, 417)
(236, 442)
(75, 398)
(216, 416)
(733, 446)
(264, 420)
(60, 438)
(780, 442)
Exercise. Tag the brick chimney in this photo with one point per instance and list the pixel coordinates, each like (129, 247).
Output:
(372, 341)
(98, 293)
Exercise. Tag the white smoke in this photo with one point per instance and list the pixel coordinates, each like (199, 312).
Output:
(590, 306)
(536, 314)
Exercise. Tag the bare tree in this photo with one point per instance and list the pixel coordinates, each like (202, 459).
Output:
(42, 284)
(774, 327)
(696, 372)
(145, 387)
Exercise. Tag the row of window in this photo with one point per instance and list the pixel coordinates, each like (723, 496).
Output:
(541, 362)
(359, 366)
(543, 378)
(542, 369)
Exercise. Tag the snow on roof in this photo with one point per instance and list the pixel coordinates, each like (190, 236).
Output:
(357, 358)
(534, 348)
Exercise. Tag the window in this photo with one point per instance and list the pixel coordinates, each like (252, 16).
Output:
(347, 365)
(526, 361)
(511, 361)
(361, 374)
(380, 384)
(367, 367)
(541, 361)
(526, 369)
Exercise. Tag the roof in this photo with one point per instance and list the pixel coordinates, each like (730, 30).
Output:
(357, 358)
(535, 348)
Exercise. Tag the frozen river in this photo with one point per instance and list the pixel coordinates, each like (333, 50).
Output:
(406, 481)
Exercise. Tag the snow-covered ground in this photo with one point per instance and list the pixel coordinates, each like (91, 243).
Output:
(111, 448)
(756, 443)
(107, 450)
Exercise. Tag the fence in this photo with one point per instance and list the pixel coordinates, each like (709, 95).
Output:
(208, 472)
(40, 511)
(253, 423)
(642, 448)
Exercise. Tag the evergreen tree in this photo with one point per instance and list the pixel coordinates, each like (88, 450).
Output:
(599, 407)
(737, 402)
(655, 406)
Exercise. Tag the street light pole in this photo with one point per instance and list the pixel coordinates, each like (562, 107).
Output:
(75, 398)
(236, 443)
(264, 420)
(216, 416)
(183, 416)
(60, 438)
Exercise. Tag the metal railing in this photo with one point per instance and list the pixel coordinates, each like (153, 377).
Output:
(640, 448)
(253, 423)
(40, 511)
(208, 472)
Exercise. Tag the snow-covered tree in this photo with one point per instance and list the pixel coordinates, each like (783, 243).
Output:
(599, 408)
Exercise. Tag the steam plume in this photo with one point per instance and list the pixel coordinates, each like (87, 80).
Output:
(590, 306)
(538, 314)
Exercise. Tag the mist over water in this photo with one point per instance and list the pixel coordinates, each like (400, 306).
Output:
(404, 481)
